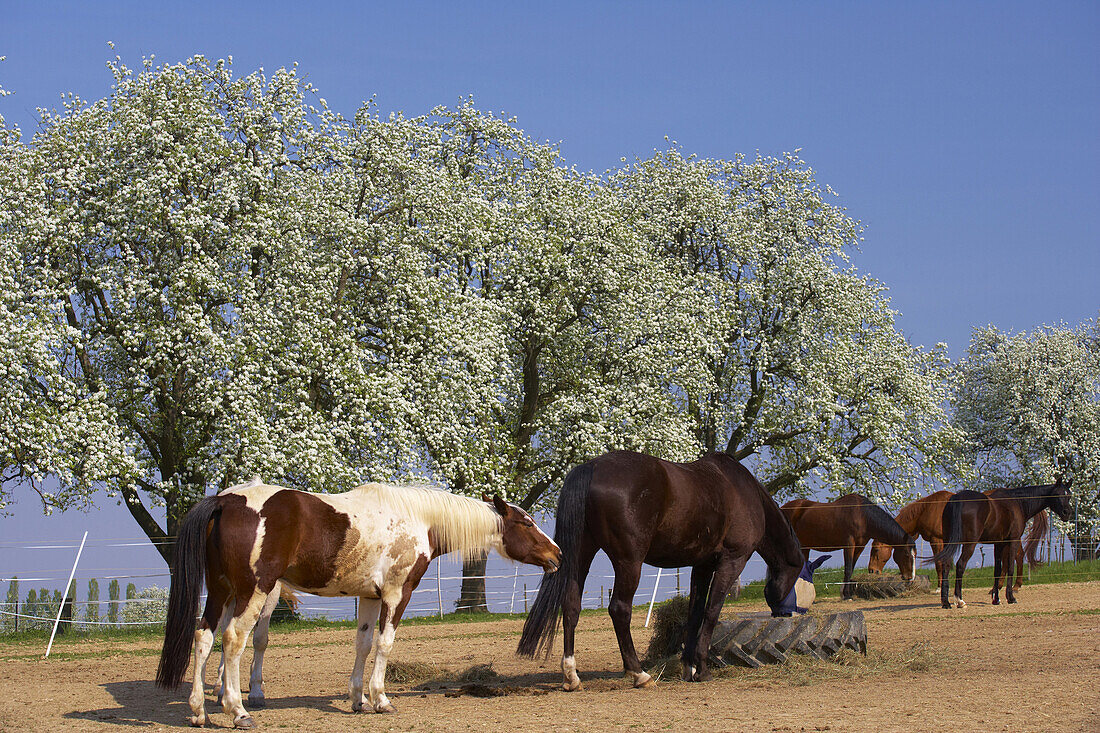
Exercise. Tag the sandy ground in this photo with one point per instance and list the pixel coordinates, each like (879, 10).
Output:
(1034, 666)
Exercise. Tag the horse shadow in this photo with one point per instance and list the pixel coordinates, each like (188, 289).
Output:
(141, 703)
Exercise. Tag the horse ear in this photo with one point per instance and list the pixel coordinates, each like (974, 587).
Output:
(817, 563)
(501, 505)
(486, 498)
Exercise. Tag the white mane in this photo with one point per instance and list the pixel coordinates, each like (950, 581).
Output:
(461, 524)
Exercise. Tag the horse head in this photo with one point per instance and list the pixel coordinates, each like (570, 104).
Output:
(906, 558)
(1059, 499)
(880, 555)
(521, 538)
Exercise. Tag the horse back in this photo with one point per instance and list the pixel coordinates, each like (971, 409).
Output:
(925, 516)
(668, 513)
(319, 543)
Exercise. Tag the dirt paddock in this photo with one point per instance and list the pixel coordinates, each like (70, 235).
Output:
(1034, 666)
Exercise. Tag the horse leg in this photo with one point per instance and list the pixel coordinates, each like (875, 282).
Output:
(627, 574)
(233, 643)
(1019, 570)
(960, 567)
(570, 615)
(213, 618)
(393, 603)
(701, 577)
(259, 646)
(849, 568)
(364, 637)
(941, 567)
(998, 566)
(729, 569)
(1012, 549)
(219, 684)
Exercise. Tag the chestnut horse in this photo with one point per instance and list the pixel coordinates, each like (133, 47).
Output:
(924, 517)
(847, 524)
(999, 518)
(710, 514)
(374, 542)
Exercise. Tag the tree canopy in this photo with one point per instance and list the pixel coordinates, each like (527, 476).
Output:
(207, 276)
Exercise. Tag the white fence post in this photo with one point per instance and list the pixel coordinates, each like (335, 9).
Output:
(65, 595)
(652, 598)
(439, 586)
(512, 603)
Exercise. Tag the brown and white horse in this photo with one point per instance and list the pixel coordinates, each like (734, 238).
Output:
(374, 542)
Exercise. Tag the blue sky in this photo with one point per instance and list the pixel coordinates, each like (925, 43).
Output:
(965, 137)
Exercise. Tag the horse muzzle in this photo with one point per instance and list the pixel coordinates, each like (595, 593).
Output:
(552, 564)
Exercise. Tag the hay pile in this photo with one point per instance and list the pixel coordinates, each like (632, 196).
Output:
(887, 585)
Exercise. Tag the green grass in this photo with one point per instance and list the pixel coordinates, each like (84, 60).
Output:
(827, 582)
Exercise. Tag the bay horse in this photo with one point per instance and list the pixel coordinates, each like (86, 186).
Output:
(847, 524)
(374, 542)
(997, 517)
(924, 518)
(711, 514)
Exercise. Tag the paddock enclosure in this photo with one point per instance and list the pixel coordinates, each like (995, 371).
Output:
(1034, 666)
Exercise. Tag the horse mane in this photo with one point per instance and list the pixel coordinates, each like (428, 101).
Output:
(882, 526)
(460, 523)
(1034, 537)
(909, 513)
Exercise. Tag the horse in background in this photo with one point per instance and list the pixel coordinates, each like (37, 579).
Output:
(711, 514)
(997, 517)
(374, 542)
(924, 518)
(847, 524)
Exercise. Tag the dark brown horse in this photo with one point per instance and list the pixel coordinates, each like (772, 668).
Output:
(848, 524)
(374, 542)
(924, 518)
(710, 514)
(999, 518)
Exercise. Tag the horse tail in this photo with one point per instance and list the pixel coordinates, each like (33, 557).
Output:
(542, 620)
(188, 574)
(1034, 537)
(952, 525)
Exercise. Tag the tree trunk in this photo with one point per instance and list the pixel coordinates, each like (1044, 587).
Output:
(472, 597)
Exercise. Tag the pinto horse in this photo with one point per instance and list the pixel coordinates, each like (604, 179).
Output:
(924, 517)
(847, 524)
(374, 542)
(710, 514)
(997, 517)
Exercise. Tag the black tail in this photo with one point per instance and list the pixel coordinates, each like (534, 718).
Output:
(542, 620)
(952, 523)
(188, 574)
(1034, 538)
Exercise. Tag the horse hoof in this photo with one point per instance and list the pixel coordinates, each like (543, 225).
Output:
(1011, 600)
(571, 685)
(643, 679)
(996, 601)
(245, 723)
(256, 703)
(387, 708)
(197, 722)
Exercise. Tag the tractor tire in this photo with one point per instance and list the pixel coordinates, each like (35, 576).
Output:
(753, 640)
